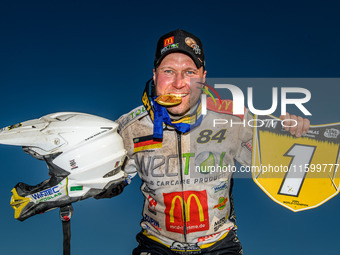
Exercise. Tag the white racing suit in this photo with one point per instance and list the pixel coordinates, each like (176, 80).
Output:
(188, 206)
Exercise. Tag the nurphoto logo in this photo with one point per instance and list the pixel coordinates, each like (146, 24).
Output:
(238, 103)
(238, 100)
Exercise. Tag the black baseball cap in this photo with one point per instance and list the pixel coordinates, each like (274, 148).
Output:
(180, 41)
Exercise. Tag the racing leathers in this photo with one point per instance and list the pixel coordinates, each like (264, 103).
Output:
(187, 177)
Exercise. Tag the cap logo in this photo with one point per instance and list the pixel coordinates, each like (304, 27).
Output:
(192, 44)
(169, 47)
(168, 41)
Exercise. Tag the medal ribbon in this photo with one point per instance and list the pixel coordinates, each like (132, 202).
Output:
(184, 125)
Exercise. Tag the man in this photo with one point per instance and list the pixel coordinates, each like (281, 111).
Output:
(188, 209)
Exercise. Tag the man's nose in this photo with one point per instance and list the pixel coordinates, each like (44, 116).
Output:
(179, 81)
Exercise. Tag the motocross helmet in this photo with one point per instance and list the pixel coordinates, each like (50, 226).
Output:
(83, 152)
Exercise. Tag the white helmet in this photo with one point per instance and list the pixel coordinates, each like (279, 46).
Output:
(83, 153)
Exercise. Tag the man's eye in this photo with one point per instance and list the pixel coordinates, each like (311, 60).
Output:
(190, 72)
(168, 71)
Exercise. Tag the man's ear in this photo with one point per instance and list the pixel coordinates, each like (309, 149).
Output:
(154, 75)
(204, 75)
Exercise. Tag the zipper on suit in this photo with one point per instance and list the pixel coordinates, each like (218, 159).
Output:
(179, 144)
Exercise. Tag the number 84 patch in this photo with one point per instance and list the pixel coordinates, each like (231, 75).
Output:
(298, 173)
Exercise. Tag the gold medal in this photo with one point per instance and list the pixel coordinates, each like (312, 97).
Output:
(168, 100)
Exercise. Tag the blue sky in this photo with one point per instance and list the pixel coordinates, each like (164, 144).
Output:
(95, 57)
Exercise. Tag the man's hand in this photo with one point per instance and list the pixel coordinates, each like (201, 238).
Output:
(302, 124)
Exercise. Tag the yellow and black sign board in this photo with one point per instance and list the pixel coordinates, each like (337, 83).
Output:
(298, 173)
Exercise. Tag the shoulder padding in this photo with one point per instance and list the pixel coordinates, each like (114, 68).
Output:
(226, 106)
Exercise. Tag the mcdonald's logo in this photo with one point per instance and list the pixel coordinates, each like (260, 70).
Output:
(168, 41)
(195, 214)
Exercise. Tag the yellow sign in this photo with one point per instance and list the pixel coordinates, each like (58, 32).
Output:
(298, 173)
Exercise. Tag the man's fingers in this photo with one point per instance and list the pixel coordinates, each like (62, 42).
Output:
(299, 128)
(306, 124)
(293, 128)
(296, 125)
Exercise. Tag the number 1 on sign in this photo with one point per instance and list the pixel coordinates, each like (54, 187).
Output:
(301, 157)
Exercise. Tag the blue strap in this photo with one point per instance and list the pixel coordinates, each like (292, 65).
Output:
(161, 115)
